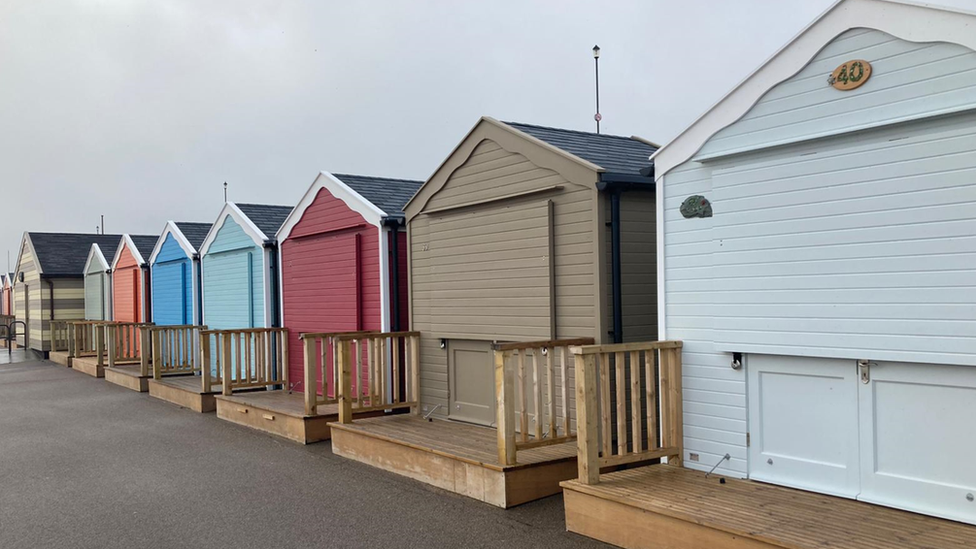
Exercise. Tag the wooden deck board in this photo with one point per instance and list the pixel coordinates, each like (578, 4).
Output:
(282, 402)
(470, 443)
(192, 384)
(774, 515)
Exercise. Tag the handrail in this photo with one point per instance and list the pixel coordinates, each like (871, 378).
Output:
(551, 421)
(176, 350)
(376, 371)
(320, 370)
(248, 358)
(611, 433)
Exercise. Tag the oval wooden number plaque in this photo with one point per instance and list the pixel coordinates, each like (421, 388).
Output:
(850, 75)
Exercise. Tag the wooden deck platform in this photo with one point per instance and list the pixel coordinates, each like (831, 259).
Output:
(88, 365)
(456, 457)
(666, 507)
(280, 413)
(128, 376)
(185, 391)
(60, 357)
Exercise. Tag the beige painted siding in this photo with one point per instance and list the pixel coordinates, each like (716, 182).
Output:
(492, 173)
(68, 298)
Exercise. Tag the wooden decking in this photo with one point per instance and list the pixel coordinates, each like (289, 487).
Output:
(456, 457)
(88, 365)
(664, 507)
(60, 357)
(129, 376)
(280, 413)
(185, 391)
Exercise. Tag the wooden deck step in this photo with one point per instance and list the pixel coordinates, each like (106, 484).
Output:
(280, 413)
(88, 365)
(663, 507)
(128, 376)
(185, 391)
(60, 357)
(457, 457)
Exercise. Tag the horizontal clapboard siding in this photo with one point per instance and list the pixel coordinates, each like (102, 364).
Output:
(172, 284)
(861, 247)
(491, 172)
(909, 80)
(233, 282)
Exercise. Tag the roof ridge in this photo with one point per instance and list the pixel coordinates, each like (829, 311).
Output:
(594, 134)
(340, 175)
(266, 205)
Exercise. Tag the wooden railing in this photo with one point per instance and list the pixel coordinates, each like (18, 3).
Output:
(128, 343)
(6, 320)
(84, 333)
(245, 359)
(527, 387)
(62, 332)
(321, 380)
(176, 350)
(628, 399)
(376, 371)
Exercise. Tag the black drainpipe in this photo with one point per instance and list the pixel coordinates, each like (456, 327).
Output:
(394, 225)
(146, 294)
(198, 291)
(50, 284)
(275, 319)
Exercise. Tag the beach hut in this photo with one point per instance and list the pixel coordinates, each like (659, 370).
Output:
(530, 236)
(816, 229)
(343, 259)
(49, 282)
(175, 267)
(240, 267)
(5, 302)
(131, 291)
(98, 282)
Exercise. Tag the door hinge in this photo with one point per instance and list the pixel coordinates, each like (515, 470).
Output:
(864, 367)
(748, 440)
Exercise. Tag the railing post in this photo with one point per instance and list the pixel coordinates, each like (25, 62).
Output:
(505, 411)
(145, 352)
(205, 362)
(226, 365)
(71, 341)
(112, 335)
(677, 408)
(157, 353)
(100, 344)
(283, 338)
(587, 436)
(344, 389)
(415, 372)
(310, 389)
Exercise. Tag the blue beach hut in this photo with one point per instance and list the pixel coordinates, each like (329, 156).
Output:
(175, 264)
(240, 280)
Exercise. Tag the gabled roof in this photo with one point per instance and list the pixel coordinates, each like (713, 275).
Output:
(613, 153)
(374, 198)
(194, 232)
(65, 254)
(260, 221)
(95, 254)
(904, 20)
(266, 217)
(140, 245)
(389, 195)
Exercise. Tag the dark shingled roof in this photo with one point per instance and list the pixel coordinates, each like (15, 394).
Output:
(613, 153)
(389, 195)
(64, 254)
(195, 233)
(268, 218)
(144, 243)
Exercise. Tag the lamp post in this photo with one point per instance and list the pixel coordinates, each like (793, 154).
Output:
(596, 68)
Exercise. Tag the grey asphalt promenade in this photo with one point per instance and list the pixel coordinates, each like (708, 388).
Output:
(87, 464)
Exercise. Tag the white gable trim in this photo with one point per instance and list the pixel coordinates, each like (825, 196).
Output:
(904, 20)
(172, 228)
(355, 201)
(95, 253)
(26, 241)
(127, 242)
(231, 209)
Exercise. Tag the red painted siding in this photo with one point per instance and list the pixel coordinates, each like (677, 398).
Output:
(327, 285)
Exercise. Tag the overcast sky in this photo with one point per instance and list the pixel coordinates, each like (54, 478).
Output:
(142, 109)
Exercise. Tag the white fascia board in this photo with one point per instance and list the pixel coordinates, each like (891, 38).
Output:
(355, 201)
(172, 228)
(907, 21)
(95, 254)
(231, 209)
(123, 242)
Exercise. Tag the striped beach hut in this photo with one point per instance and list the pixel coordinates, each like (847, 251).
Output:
(240, 267)
(175, 267)
(130, 278)
(5, 301)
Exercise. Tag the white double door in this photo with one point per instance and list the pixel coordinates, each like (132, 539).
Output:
(895, 434)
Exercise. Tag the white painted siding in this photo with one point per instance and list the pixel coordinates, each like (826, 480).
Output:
(863, 246)
(910, 81)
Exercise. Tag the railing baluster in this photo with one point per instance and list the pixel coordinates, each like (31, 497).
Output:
(621, 395)
(635, 403)
(604, 364)
(564, 392)
(550, 393)
(523, 398)
(649, 358)
(540, 415)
